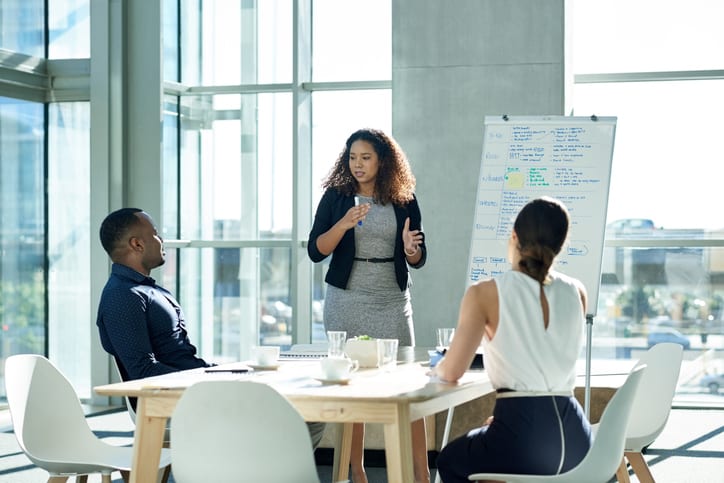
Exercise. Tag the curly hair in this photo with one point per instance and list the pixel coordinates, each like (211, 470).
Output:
(542, 229)
(394, 183)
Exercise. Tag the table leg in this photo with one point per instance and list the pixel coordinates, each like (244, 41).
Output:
(342, 450)
(398, 448)
(147, 444)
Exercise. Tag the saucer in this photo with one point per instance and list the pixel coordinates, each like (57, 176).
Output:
(257, 367)
(330, 382)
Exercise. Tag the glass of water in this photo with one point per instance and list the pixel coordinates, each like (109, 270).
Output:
(336, 340)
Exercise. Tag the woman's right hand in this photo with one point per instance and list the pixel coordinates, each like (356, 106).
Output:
(327, 242)
(354, 215)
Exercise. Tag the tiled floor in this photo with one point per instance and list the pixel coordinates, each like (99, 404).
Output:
(691, 449)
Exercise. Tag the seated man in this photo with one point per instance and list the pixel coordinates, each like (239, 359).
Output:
(140, 323)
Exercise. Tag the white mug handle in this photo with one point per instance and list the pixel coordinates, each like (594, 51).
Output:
(355, 366)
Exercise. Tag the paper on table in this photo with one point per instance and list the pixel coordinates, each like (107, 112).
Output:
(305, 351)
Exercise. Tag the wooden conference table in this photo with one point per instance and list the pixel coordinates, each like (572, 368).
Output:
(393, 397)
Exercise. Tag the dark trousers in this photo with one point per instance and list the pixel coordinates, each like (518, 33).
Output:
(542, 435)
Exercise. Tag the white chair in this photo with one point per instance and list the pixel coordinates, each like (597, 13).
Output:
(231, 431)
(51, 428)
(131, 410)
(131, 402)
(651, 407)
(130, 406)
(601, 461)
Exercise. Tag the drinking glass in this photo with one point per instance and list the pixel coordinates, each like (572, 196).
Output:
(387, 352)
(336, 340)
(444, 336)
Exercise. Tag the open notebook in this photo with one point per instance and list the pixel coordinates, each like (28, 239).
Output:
(305, 351)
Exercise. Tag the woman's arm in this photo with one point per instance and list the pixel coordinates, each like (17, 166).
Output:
(472, 322)
(584, 297)
(412, 229)
(328, 229)
(328, 241)
(411, 241)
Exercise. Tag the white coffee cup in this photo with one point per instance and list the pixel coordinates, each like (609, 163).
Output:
(265, 355)
(337, 368)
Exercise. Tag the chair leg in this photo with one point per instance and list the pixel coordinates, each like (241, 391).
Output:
(81, 479)
(622, 472)
(57, 479)
(638, 463)
(126, 476)
(164, 473)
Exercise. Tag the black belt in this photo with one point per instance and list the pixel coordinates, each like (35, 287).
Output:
(374, 260)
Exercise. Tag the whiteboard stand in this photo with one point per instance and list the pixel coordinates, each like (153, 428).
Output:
(587, 393)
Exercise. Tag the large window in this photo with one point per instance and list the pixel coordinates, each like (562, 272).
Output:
(352, 40)
(69, 238)
(243, 160)
(259, 99)
(68, 29)
(22, 26)
(236, 182)
(22, 230)
(45, 234)
(653, 65)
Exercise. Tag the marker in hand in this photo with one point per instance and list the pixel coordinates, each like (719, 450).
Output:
(356, 203)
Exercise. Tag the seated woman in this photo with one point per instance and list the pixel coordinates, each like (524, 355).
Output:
(530, 321)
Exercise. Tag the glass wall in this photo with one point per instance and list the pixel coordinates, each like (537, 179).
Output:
(237, 42)
(45, 234)
(236, 178)
(663, 266)
(69, 237)
(68, 29)
(237, 148)
(646, 36)
(22, 26)
(352, 40)
(22, 229)
(261, 116)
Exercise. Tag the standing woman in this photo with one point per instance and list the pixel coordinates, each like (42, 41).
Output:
(530, 320)
(372, 243)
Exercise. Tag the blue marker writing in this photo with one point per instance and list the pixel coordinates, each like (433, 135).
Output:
(356, 203)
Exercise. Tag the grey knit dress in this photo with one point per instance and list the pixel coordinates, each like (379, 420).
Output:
(373, 303)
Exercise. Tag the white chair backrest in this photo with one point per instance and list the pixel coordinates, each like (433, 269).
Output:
(602, 460)
(604, 457)
(47, 416)
(231, 431)
(129, 407)
(652, 405)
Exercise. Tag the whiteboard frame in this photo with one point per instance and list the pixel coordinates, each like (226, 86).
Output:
(599, 233)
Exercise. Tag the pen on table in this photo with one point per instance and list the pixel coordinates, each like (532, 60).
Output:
(356, 203)
(234, 371)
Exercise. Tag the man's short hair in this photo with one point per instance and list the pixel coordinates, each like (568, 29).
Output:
(115, 227)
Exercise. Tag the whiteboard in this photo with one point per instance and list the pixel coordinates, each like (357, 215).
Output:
(566, 157)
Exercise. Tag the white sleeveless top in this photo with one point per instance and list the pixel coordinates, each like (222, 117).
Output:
(524, 355)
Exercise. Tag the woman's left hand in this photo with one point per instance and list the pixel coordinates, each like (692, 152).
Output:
(411, 239)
